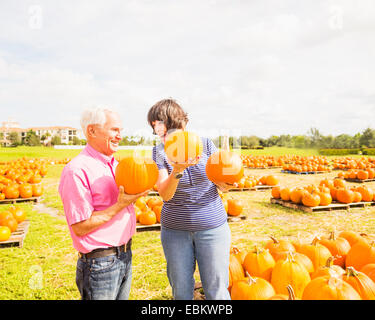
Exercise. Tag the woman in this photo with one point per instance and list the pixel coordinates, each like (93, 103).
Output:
(194, 224)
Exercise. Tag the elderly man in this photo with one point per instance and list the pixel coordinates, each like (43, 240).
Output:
(100, 216)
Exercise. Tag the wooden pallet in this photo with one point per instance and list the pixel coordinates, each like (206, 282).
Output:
(152, 227)
(256, 188)
(358, 180)
(236, 218)
(153, 193)
(13, 201)
(305, 172)
(157, 226)
(17, 237)
(332, 206)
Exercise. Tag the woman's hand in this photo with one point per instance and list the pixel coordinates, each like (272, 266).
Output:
(180, 167)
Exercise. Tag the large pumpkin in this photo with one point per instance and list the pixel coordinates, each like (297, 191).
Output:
(360, 254)
(252, 288)
(317, 253)
(136, 174)
(329, 288)
(289, 272)
(224, 166)
(181, 145)
(339, 247)
(259, 263)
(361, 283)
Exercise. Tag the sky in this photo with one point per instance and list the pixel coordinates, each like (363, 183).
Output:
(260, 67)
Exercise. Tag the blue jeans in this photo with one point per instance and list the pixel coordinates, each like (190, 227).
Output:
(106, 278)
(210, 249)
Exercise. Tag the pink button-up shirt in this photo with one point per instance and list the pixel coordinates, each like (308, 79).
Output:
(88, 184)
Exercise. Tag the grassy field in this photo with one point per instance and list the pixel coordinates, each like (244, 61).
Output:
(45, 267)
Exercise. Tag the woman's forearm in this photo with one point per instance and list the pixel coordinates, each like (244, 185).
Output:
(168, 187)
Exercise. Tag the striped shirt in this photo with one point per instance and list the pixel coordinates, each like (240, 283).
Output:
(196, 204)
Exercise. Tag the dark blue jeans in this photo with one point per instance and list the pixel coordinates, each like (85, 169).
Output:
(107, 278)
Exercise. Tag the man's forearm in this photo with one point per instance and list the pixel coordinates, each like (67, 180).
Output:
(97, 219)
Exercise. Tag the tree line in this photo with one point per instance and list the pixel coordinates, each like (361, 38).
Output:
(313, 139)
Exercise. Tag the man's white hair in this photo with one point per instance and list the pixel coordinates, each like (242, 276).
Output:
(96, 115)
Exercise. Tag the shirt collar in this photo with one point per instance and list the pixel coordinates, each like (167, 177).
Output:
(100, 156)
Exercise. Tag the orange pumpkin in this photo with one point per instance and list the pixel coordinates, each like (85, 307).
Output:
(369, 270)
(26, 190)
(339, 248)
(361, 283)
(235, 207)
(296, 195)
(136, 174)
(275, 192)
(271, 180)
(311, 199)
(275, 246)
(289, 272)
(259, 263)
(328, 270)
(345, 196)
(224, 166)
(37, 190)
(11, 191)
(181, 145)
(147, 217)
(285, 194)
(329, 288)
(317, 253)
(360, 254)
(252, 288)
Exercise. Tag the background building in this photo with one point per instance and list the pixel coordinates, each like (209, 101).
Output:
(65, 133)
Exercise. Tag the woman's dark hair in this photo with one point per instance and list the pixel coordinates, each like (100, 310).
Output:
(170, 112)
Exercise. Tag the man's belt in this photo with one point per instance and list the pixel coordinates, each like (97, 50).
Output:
(105, 252)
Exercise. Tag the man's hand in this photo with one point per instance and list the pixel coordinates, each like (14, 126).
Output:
(125, 199)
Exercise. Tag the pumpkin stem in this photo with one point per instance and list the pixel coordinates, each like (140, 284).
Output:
(235, 250)
(332, 236)
(351, 272)
(251, 280)
(290, 292)
(274, 239)
(329, 262)
(316, 240)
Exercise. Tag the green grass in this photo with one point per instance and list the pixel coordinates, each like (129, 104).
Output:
(43, 268)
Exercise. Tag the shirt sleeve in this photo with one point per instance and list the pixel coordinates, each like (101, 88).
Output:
(211, 148)
(158, 157)
(76, 196)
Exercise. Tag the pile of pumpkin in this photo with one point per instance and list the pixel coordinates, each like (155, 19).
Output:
(9, 221)
(331, 268)
(22, 178)
(361, 174)
(324, 194)
(262, 161)
(250, 181)
(148, 210)
(353, 163)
